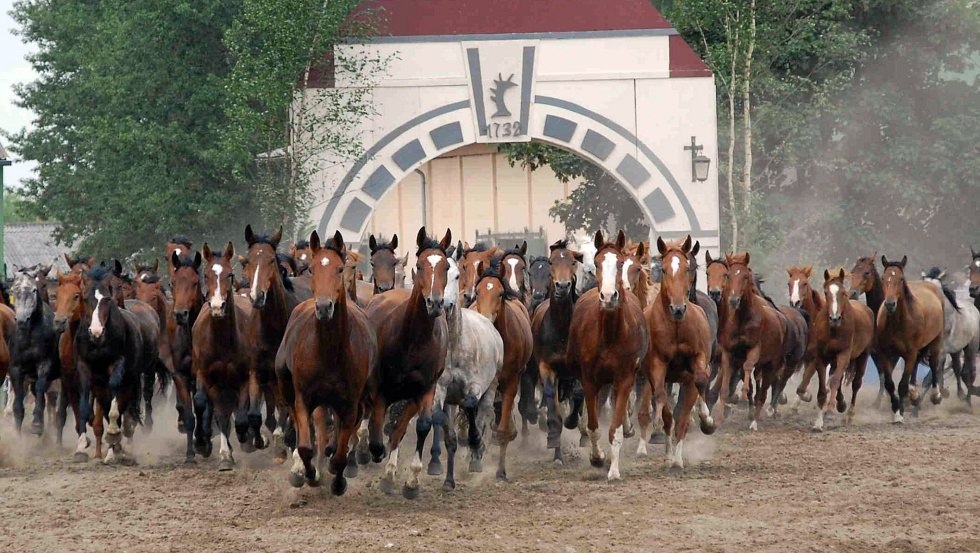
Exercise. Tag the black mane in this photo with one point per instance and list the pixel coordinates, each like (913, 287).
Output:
(99, 273)
(150, 279)
(513, 251)
(331, 245)
(429, 244)
(935, 273)
(478, 247)
(182, 240)
(559, 245)
(302, 244)
(262, 239)
(383, 244)
(186, 260)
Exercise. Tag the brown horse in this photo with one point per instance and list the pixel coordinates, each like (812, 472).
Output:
(503, 305)
(475, 260)
(273, 299)
(179, 245)
(412, 356)
(384, 263)
(188, 299)
(326, 358)
(69, 308)
(608, 340)
(224, 360)
(549, 327)
(301, 254)
(636, 273)
(805, 297)
(680, 348)
(751, 338)
(514, 266)
(865, 279)
(842, 334)
(149, 290)
(909, 324)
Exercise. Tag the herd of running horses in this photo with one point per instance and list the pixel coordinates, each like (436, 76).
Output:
(302, 344)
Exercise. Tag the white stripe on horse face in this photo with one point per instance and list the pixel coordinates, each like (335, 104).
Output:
(795, 294)
(834, 307)
(95, 327)
(610, 261)
(433, 260)
(178, 252)
(302, 257)
(626, 272)
(217, 300)
(977, 264)
(323, 261)
(513, 273)
(252, 292)
(675, 265)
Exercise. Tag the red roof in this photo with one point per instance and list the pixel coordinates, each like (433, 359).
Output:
(482, 17)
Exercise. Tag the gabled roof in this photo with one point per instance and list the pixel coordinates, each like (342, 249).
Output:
(27, 244)
(402, 18)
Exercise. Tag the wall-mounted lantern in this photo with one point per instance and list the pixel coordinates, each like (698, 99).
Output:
(699, 162)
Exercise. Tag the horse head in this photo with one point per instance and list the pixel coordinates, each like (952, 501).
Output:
(185, 282)
(741, 281)
(609, 259)
(893, 282)
(329, 263)
(262, 265)
(799, 284)
(219, 280)
(835, 292)
(432, 269)
(676, 286)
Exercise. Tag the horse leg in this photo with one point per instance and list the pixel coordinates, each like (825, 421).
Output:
(423, 425)
(857, 369)
(969, 370)
(226, 461)
(183, 401)
(394, 439)
(549, 387)
(724, 378)
(149, 378)
(764, 383)
(61, 412)
(441, 418)
(346, 419)
(957, 365)
(748, 369)
(98, 427)
(621, 402)
(241, 420)
(375, 435)
(474, 418)
(644, 414)
(578, 397)
(83, 415)
(40, 396)
(440, 410)
(526, 406)
(911, 365)
(591, 391)
(504, 433)
(802, 393)
(18, 386)
(657, 390)
(885, 371)
(689, 396)
(202, 414)
(302, 469)
(256, 396)
(836, 375)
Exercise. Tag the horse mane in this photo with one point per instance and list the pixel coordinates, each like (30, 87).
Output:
(331, 245)
(262, 239)
(185, 260)
(150, 279)
(805, 315)
(381, 243)
(496, 270)
(559, 245)
(512, 251)
(759, 280)
(428, 244)
(302, 244)
(478, 247)
(935, 273)
(99, 273)
(182, 240)
(288, 259)
(537, 259)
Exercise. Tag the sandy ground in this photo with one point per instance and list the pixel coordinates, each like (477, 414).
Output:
(870, 487)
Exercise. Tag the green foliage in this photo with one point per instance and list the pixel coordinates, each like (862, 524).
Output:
(600, 202)
(151, 114)
(14, 208)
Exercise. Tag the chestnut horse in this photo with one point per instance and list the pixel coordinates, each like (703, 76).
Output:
(273, 299)
(751, 338)
(515, 270)
(608, 339)
(680, 348)
(803, 296)
(910, 323)
(412, 356)
(549, 327)
(842, 335)
(182, 247)
(223, 362)
(69, 309)
(301, 254)
(475, 260)
(188, 299)
(503, 306)
(327, 356)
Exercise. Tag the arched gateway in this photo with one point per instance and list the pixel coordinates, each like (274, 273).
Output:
(610, 81)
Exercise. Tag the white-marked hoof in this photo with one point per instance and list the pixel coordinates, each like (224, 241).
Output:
(597, 462)
(770, 411)
(225, 465)
(817, 428)
(754, 426)
(387, 485)
(80, 457)
(897, 418)
(642, 448)
(613, 475)
(110, 456)
(296, 480)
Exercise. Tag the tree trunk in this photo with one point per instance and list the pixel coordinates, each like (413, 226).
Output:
(747, 114)
(733, 43)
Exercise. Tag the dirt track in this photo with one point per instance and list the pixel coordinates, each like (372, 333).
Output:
(872, 487)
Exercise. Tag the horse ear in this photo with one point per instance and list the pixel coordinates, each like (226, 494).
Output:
(117, 268)
(405, 260)
(686, 246)
(884, 260)
(696, 248)
(841, 273)
(394, 241)
(524, 248)
(747, 257)
(447, 240)
(175, 259)
(598, 241)
(339, 242)
(826, 275)
(661, 245)
(707, 257)
(905, 259)
(71, 260)
(372, 243)
(578, 256)
(808, 271)
(276, 238)
(451, 252)
(789, 272)
(621, 241)
(942, 275)
(208, 255)
(420, 238)
(156, 265)
(314, 242)
(641, 250)
(197, 260)
(229, 252)
(249, 235)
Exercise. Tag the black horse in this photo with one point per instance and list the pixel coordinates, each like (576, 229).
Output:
(113, 349)
(34, 349)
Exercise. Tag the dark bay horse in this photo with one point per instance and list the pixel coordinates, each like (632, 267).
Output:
(866, 280)
(384, 263)
(412, 356)
(327, 356)
(751, 338)
(549, 328)
(301, 254)
(223, 363)
(182, 247)
(503, 306)
(680, 349)
(273, 299)
(515, 270)
(33, 349)
(842, 334)
(149, 290)
(909, 324)
(113, 350)
(188, 299)
(608, 340)
(540, 286)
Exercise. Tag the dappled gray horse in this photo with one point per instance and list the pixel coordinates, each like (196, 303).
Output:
(34, 348)
(961, 335)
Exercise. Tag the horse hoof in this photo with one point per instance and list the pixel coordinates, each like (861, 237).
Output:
(675, 470)
(338, 486)
(225, 465)
(476, 465)
(708, 427)
(387, 485)
(377, 452)
(658, 437)
(897, 418)
(362, 457)
(408, 492)
(36, 428)
(296, 480)
(936, 399)
(80, 457)
(841, 407)
(247, 446)
(181, 429)
(816, 429)
(351, 470)
(571, 422)
(543, 424)
(315, 481)
(434, 469)
(806, 398)
(260, 442)
(583, 441)
(783, 399)
(448, 486)
(597, 462)
(501, 475)
(190, 460)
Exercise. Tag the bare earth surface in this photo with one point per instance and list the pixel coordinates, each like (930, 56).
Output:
(870, 487)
